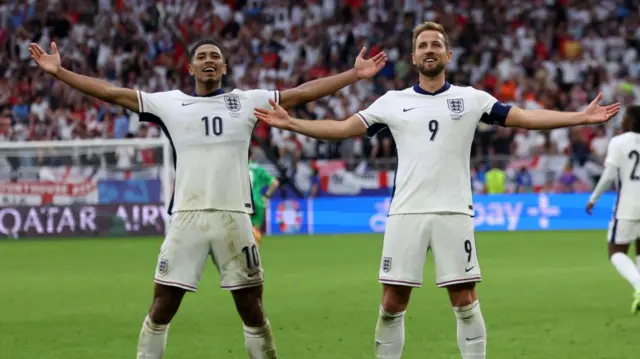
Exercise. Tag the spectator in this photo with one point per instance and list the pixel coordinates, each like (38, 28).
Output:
(548, 57)
(495, 179)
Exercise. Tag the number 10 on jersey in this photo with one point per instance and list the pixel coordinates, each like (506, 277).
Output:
(212, 125)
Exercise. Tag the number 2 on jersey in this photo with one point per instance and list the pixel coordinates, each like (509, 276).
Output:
(212, 125)
(635, 156)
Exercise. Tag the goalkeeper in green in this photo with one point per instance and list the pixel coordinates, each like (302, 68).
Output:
(259, 180)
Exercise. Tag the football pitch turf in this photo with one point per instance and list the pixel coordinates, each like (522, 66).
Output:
(545, 295)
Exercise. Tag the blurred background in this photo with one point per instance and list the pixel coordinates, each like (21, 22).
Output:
(89, 181)
(533, 54)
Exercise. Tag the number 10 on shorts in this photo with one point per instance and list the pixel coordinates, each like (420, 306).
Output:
(252, 256)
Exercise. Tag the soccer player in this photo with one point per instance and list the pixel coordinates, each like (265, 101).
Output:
(210, 133)
(623, 162)
(433, 124)
(260, 179)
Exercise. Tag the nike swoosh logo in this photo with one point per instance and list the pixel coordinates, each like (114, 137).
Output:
(187, 104)
(470, 339)
(408, 109)
(468, 269)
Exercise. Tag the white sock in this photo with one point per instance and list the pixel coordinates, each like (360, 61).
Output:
(472, 333)
(625, 267)
(389, 335)
(259, 342)
(153, 340)
(638, 262)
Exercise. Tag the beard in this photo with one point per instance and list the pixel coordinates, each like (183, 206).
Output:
(210, 82)
(432, 72)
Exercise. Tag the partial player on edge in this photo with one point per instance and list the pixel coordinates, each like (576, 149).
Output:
(210, 133)
(433, 124)
(623, 164)
(260, 179)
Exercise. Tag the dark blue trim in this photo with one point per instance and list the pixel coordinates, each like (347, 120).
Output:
(422, 91)
(614, 229)
(395, 176)
(613, 232)
(497, 115)
(147, 117)
(619, 189)
(253, 203)
(217, 92)
(375, 128)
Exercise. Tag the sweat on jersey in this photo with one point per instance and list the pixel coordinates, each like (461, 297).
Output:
(433, 134)
(210, 139)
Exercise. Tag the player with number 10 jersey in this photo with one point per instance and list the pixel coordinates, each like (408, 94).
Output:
(209, 132)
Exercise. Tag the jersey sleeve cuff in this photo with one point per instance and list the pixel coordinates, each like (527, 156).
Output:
(363, 119)
(276, 96)
(140, 101)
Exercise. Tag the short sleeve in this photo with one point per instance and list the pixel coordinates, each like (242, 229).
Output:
(613, 155)
(151, 103)
(494, 112)
(260, 98)
(373, 117)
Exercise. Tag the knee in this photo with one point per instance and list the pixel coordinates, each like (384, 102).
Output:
(162, 312)
(395, 299)
(248, 303)
(462, 295)
(165, 306)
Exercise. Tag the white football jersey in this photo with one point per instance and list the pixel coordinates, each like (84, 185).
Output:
(623, 154)
(433, 134)
(210, 138)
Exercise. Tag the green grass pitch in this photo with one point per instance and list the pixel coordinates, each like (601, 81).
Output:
(545, 295)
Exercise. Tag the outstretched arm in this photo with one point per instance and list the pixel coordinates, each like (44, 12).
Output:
(606, 180)
(546, 119)
(320, 129)
(316, 89)
(102, 90)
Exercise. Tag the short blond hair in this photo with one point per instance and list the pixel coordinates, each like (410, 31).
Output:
(430, 26)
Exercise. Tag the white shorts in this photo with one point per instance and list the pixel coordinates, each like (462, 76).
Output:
(623, 231)
(408, 238)
(193, 236)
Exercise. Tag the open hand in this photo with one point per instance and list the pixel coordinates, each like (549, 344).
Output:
(595, 113)
(48, 62)
(277, 117)
(368, 68)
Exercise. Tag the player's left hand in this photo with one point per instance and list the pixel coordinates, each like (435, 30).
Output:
(368, 68)
(589, 208)
(278, 117)
(594, 113)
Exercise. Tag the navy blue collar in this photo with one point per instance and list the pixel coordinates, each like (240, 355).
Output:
(211, 94)
(422, 91)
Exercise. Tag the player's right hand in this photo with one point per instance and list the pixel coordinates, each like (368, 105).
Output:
(48, 62)
(278, 117)
(589, 208)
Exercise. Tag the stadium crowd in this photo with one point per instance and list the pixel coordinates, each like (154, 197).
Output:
(554, 54)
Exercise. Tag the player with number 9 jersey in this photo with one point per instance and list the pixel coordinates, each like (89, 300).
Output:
(433, 124)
